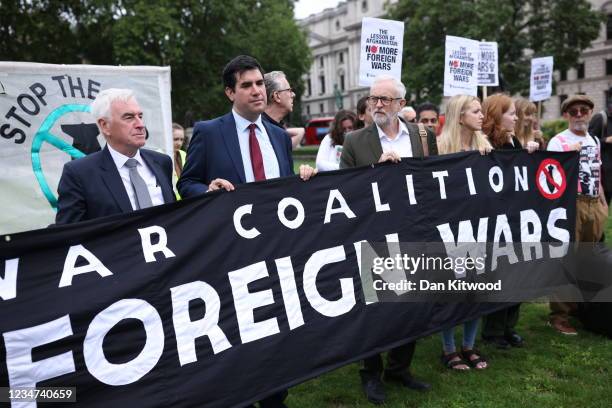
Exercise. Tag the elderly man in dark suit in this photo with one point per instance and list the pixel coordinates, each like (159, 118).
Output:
(120, 178)
(387, 139)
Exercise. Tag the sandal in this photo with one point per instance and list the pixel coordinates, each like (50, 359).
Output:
(473, 358)
(452, 360)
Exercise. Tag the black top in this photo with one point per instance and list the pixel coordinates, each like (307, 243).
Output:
(509, 146)
(266, 117)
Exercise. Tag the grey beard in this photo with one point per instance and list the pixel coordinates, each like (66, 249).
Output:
(581, 127)
(382, 121)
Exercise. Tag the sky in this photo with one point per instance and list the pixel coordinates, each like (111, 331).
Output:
(304, 8)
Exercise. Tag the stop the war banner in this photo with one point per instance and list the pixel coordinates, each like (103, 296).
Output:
(541, 79)
(222, 299)
(382, 43)
(460, 66)
(45, 121)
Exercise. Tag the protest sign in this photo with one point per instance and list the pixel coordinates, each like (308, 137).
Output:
(45, 121)
(460, 66)
(382, 43)
(488, 64)
(223, 299)
(541, 79)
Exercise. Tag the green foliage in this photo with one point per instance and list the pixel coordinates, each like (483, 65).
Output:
(553, 127)
(522, 29)
(195, 37)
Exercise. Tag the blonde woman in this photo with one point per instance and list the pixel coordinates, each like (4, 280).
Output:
(526, 112)
(462, 132)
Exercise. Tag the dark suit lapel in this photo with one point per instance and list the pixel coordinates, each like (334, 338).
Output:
(112, 179)
(230, 137)
(277, 146)
(374, 142)
(157, 169)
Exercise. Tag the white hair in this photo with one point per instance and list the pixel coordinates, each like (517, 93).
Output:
(101, 106)
(401, 89)
(407, 109)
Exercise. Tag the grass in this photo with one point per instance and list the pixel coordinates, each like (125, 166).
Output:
(552, 370)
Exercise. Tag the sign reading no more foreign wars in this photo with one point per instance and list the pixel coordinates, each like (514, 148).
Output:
(460, 66)
(382, 42)
(541, 79)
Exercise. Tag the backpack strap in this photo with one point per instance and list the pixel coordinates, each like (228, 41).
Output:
(423, 135)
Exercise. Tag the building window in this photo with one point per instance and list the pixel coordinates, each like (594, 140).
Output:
(609, 27)
(341, 57)
(337, 25)
(321, 85)
(563, 75)
(321, 64)
(364, 6)
(561, 99)
(321, 109)
(309, 86)
(609, 67)
(308, 109)
(580, 71)
(342, 82)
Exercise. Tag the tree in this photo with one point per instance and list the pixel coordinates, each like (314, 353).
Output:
(196, 38)
(523, 30)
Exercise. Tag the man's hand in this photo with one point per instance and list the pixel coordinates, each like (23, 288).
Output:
(391, 156)
(306, 172)
(219, 183)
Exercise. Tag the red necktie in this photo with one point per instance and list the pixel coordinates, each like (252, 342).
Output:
(256, 158)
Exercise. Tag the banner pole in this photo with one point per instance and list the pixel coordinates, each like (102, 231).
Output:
(484, 93)
(539, 111)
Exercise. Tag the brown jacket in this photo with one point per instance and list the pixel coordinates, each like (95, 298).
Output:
(362, 147)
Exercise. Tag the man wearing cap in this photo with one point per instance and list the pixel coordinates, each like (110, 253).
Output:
(591, 205)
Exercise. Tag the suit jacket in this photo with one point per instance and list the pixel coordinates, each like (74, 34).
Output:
(91, 187)
(362, 147)
(214, 152)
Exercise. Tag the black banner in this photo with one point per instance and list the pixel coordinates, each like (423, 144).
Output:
(221, 300)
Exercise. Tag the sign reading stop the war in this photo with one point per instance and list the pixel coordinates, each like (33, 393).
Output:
(550, 179)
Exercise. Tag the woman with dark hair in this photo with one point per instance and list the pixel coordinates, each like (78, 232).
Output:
(364, 117)
(328, 156)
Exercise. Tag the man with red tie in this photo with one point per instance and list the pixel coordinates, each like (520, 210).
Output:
(238, 147)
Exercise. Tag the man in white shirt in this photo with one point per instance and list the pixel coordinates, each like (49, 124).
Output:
(122, 177)
(591, 205)
(387, 139)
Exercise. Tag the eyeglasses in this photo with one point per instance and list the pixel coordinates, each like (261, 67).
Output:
(373, 100)
(574, 111)
(283, 90)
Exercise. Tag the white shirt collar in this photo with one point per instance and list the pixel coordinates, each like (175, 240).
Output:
(403, 130)
(120, 158)
(243, 124)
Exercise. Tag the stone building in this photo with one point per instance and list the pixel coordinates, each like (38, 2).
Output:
(593, 75)
(334, 37)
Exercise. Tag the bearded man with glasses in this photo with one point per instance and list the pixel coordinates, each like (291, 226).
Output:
(591, 205)
(389, 138)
